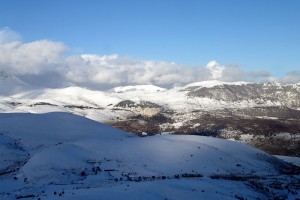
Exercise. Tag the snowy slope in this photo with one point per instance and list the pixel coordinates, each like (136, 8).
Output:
(142, 88)
(64, 156)
(211, 83)
(80, 101)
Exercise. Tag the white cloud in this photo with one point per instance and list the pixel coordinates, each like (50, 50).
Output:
(31, 58)
(114, 70)
(7, 35)
(290, 77)
(234, 73)
(43, 63)
(215, 69)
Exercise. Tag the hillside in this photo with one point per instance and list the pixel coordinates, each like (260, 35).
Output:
(64, 156)
(264, 115)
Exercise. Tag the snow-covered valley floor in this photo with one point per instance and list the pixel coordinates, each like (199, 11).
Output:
(65, 156)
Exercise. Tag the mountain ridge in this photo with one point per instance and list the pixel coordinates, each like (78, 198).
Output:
(264, 115)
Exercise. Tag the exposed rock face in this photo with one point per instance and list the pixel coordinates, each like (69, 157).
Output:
(277, 94)
(143, 108)
(125, 104)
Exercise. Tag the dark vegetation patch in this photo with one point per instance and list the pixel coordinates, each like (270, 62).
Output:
(42, 104)
(156, 119)
(81, 107)
(233, 177)
(139, 123)
(65, 106)
(136, 178)
(271, 142)
(138, 127)
(278, 146)
(141, 104)
(148, 104)
(125, 104)
(14, 103)
(263, 123)
(24, 196)
(256, 126)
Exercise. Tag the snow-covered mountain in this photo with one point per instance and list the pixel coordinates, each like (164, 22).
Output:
(65, 156)
(212, 83)
(264, 115)
(275, 93)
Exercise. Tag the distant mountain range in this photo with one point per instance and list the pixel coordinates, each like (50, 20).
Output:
(264, 115)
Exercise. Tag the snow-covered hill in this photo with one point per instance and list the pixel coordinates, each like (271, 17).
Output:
(212, 83)
(65, 156)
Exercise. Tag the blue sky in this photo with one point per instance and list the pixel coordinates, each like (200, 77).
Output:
(254, 34)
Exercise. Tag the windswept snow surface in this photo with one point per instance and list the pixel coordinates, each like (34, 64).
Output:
(64, 156)
(212, 83)
(143, 88)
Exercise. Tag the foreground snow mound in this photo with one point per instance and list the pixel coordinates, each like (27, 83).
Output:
(64, 156)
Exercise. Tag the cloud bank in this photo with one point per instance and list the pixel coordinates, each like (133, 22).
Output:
(7, 35)
(45, 63)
